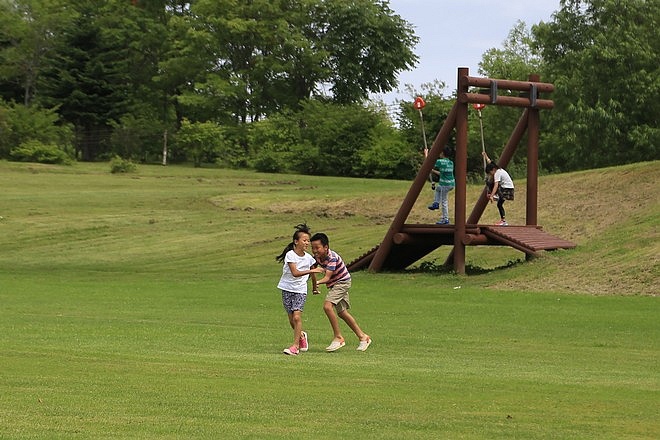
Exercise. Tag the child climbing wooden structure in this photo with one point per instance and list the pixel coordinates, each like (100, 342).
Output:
(404, 244)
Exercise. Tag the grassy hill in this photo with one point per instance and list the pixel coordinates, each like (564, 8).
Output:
(613, 214)
(144, 306)
(179, 219)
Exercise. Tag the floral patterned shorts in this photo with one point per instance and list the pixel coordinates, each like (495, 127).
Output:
(293, 301)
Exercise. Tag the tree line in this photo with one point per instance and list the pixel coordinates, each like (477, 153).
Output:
(284, 85)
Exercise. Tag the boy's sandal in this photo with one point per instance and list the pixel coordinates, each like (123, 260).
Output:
(364, 344)
(335, 345)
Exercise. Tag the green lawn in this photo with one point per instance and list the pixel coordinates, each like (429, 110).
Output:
(144, 306)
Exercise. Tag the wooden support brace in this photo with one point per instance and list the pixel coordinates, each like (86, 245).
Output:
(475, 240)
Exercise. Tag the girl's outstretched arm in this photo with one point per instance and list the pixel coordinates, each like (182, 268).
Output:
(298, 273)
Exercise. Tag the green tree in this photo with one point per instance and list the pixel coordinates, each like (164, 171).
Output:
(102, 69)
(88, 77)
(352, 140)
(28, 34)
(332, 139)
(276, 140)
(602, 56)
(264, 56)
(338, 133)
(516, 60)
(37, 151)
(367, 46)
(111, 66)
(438, 105)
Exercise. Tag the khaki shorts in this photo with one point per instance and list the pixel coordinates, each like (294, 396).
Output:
(338, 295)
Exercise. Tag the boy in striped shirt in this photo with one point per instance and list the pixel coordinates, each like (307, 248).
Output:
(338, 281)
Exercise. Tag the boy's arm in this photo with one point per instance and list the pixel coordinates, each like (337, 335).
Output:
(315, 286)
(326, 277)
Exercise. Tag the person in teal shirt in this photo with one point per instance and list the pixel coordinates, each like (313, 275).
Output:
(444, 169)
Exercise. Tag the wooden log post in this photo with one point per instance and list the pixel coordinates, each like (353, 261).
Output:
(409, 201)
(460, 167)
(533, 130)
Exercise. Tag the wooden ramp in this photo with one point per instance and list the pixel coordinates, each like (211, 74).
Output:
(528, 239)
(418, 240)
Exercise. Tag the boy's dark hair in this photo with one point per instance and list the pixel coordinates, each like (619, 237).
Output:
(299, 229)
(320, 236)
(491, 166)
(448, 151)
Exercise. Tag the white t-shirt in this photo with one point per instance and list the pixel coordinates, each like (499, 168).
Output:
(295, 284)
(503, 178)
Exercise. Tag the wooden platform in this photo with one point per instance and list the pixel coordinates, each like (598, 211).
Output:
(528, 239)
(417, 240)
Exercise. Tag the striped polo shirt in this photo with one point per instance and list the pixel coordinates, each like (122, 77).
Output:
(339, 270)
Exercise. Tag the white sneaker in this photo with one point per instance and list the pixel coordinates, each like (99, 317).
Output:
(364, 344)
(335, 345)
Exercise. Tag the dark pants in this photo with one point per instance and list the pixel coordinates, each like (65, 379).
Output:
(500, 207)
(505, 194)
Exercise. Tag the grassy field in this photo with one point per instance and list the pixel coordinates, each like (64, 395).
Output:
(144, 306)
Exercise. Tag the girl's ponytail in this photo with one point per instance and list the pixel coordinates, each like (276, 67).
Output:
(302, 227)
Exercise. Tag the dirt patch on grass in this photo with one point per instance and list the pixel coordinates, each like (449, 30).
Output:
(377, 210)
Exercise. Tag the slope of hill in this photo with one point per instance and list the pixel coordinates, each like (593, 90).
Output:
(613, 215)
(82, 218)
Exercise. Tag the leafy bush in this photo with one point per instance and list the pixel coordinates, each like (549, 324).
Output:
(36, 151)
(388, 156)
(120, 165)
(201, 141)
(269, 161)
(274, 141)
(331, 139)
(20, 124)
(339, 132)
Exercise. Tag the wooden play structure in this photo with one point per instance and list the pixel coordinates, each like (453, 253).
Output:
(404, 244)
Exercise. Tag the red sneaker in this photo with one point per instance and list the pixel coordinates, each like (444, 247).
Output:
(291, 351)
(304, 345)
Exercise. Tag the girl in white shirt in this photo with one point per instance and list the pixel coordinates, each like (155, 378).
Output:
(502, 188)
(293, 283)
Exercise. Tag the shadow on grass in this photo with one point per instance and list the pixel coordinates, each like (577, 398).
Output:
(435, 268)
